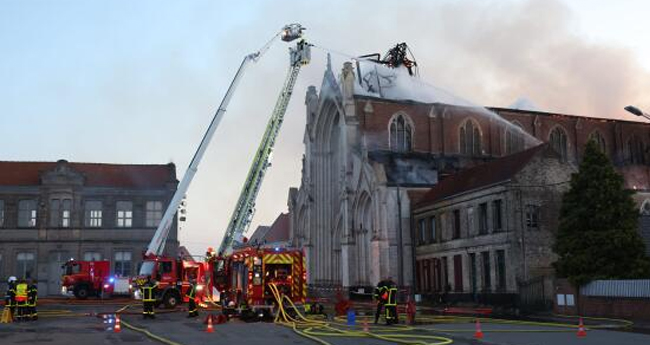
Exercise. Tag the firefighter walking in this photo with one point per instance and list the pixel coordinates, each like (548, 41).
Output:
(32, 297)
(21, 300)
(193, 311)
(148, 290)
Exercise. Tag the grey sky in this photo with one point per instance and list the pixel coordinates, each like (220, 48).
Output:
(138, 81)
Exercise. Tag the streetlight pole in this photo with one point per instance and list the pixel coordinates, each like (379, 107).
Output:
(636, 111)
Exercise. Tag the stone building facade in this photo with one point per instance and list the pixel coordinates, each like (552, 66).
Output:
(484, 231)
(369, 156)
(53, 211)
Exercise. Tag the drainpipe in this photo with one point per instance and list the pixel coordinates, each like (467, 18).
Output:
(400, 262)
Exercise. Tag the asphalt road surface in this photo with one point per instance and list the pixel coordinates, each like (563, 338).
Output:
(94, 324)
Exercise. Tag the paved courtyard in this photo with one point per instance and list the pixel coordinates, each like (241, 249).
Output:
(93, 324)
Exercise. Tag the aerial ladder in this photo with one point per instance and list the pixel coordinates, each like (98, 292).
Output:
(245, 208)
(242, 215)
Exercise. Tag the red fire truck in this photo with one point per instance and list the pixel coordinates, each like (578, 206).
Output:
(244, 276)
(173, 277)
(91, 278)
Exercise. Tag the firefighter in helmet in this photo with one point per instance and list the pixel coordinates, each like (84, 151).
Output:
(193, 310)
(32, 297)
(21, 300)
(380, 296)
(148, 290)
(391, 303)
(10, 295)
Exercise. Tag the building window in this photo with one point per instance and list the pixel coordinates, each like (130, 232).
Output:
(60, 213)
(458, 273)
(514, 139)
(501, 270)
(27, 213)
(472, 272)
(482, 219)
(456, 224)
(2, 213)
(599, 140)
(25, 265)
(635, 150)
(153, 213)
(122, 264)
(432, 229)
(94, 214)
(92, 256)
(445, 272)
(558, 141)
(497, 220)
(532, 216)
(124, 214)
(487, 280)
(400, 134)
(470, 139)
(422, 231)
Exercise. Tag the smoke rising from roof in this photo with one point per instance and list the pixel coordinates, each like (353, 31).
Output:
(143, 90)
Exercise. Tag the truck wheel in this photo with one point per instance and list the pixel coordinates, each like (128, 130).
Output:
(171, 300)
(81, 291)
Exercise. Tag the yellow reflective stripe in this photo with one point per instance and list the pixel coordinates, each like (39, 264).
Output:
(277, 258)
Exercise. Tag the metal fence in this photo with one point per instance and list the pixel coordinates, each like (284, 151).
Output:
(533, 295)
(638, 288)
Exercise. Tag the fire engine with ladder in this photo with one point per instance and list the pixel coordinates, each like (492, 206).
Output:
(237, 273)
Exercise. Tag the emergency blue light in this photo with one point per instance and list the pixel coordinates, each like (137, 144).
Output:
(111, 280)
(277, 249)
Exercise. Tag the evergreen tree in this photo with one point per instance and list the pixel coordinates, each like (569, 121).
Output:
(597, 236)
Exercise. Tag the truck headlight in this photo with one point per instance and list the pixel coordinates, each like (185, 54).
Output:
(199, 287)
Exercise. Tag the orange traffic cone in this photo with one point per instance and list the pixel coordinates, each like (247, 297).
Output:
(118, 326)
(365, 326)
(210, 328)
(478, 334)
(581, 330)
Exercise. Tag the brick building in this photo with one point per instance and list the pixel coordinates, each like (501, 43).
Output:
(53, 211)
(373, 147)
(486, 230)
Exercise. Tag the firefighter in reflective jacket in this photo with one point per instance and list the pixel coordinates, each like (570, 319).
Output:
(21, 300)
(381, 296)
(191, 297)
(391, 303)
(148, 290)
(10, 295)
(32, 297)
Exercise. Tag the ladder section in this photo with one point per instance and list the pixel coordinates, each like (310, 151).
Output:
(245, 208)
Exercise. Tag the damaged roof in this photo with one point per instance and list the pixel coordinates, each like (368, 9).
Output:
(407, 169)
(496, 171)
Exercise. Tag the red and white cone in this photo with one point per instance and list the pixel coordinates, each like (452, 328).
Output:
(581, 330)
(210, 328)
(365, 326)
(118, 326)
(478, 334)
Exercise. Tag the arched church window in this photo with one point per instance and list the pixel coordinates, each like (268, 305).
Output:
(514, 138)
(401, 134)
(470, 139)
(597, 137)
(558, 140)
(635, 150)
